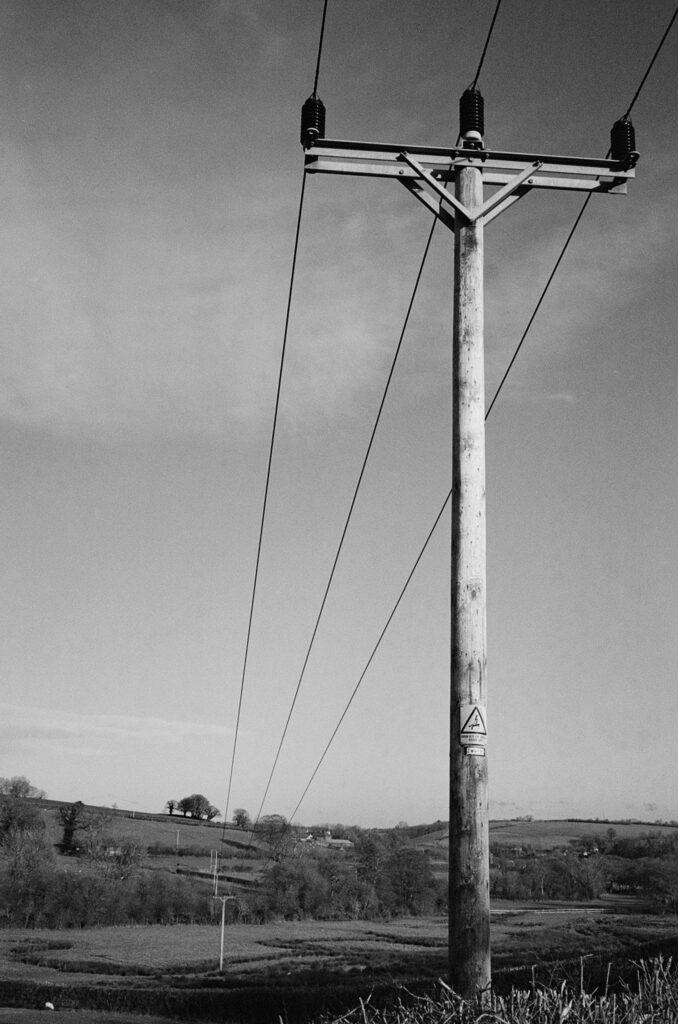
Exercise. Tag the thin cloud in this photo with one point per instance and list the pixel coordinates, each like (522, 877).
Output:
(23, 726)
(545, 397)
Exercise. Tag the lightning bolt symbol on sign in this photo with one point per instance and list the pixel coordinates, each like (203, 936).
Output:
(473, 722)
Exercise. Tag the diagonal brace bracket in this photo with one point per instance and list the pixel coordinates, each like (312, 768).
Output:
(429, 202)
(505, 196)
(443, 194)
(496, 204)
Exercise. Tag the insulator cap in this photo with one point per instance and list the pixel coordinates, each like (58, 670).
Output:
(312, 121)
(623, 142)
(472, 115)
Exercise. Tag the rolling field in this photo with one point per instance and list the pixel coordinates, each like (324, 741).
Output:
(547, 835)
(185, 844)
(304, 967)
(147, 829)
(243, 868)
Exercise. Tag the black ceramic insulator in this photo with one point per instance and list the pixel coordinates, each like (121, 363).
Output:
(623, 141)
(471, 112)
(312, 121)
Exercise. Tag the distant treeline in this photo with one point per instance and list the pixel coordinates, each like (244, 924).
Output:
(47, 896)
(382, 877)
(645, 865)
(623, 821)
(99, 879)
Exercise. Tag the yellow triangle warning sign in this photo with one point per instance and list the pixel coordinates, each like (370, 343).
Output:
(473, 721)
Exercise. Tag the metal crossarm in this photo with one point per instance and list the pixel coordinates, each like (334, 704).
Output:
(328, 156)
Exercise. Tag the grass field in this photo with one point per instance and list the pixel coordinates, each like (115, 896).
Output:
(305, 967)
(299, 969)
(547, 835)
(15, 1015)
(147, 829)
(194, 839)
(185, 844)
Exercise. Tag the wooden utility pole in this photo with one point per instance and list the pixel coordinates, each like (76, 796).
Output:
(469, 910)
(426, 172)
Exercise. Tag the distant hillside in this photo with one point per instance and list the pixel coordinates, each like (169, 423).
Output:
(149, 829)
(544, 835)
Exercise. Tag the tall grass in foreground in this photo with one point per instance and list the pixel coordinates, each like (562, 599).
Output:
(652, 1000)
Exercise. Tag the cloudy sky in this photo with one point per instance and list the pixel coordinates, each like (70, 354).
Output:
(150, 172)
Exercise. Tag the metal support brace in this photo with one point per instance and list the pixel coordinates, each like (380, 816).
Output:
(491, 208)
(509, 201)
(436, 207)
(507, 195)
(443, 194)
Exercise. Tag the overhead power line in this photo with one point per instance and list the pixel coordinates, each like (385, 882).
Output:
(575, 226)
(320, 50)
(539, 302)
(369, 447)
(348, 517)
(271, 447)
(343, 535)
(651, 64)
(487, 43)
(482, 56)
(266, 490)
(489, 410)
(369, 660)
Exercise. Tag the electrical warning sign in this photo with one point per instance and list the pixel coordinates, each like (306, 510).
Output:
(473, 725)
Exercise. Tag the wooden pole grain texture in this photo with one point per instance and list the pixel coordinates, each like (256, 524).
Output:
(469, 893)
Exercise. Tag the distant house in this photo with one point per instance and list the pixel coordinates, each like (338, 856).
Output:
(327, 842)
(334, 844)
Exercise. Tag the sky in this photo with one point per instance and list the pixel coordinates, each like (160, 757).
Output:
(150, 173)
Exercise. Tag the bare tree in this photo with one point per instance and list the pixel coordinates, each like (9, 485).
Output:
(72, 818)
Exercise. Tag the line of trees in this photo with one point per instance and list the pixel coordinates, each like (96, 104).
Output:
(194, 806)
(108, 886)
(382, 877)
(645, 865)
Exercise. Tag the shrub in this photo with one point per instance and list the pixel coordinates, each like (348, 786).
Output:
(51, 897)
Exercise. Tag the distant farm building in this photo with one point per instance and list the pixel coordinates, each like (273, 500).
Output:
(327, 842)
